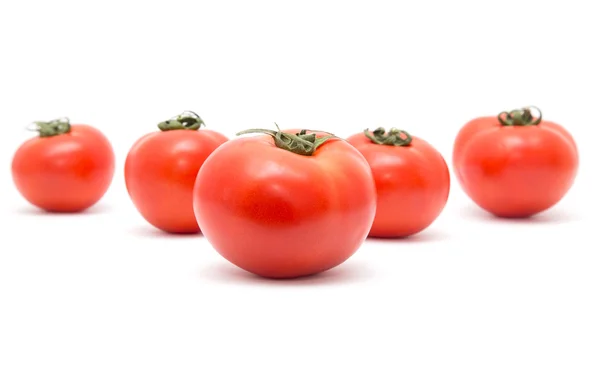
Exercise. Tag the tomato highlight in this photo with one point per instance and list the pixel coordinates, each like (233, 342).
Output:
(515, 164)
(66, 168)
(285, 204)
(411, 177)
(161, 169)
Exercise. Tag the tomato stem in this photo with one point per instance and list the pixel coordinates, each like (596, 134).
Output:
(394, 137)
(520, 117)
(301, 143)
(51, 128)
(187, 120)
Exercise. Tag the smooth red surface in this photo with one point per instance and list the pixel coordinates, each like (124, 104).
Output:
(514, 171)
(160, 171)
(413, 184)
(282, 215)
(64, 173)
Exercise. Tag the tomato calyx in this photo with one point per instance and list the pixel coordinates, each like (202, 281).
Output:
(394, 137)
(50, 128)
(187, 120)
(520, 117)
(301, 143)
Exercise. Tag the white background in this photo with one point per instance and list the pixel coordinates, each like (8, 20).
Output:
(103, 288)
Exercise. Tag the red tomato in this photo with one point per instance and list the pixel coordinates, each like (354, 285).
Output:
(286, 205)
(161, 168)
(67, 168)
(514, 164)
(412, 180)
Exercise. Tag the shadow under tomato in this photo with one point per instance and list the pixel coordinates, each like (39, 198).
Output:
(152, 232)
(425, 236)
(223, 272)
(550, 216)
(35, 211)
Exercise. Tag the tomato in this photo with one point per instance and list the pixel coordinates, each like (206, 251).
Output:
(67, 168)
(161, 168)
(411, 177)
(514, 164)
(286, 204)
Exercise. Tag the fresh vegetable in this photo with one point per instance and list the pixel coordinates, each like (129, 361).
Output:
(412, 180)
(161, 168)
(515, 164)
(66, 168)
(285, 204)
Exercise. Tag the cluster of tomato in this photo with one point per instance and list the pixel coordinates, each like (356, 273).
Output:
(291, 203)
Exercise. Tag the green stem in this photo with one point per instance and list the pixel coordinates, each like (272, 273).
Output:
(301, 143)
(187, 120)
(520, 117)
(52, 128)
(394, 137)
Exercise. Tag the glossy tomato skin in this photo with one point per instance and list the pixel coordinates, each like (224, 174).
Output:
(413, 184)
(279, 214)
(160, 171)
(67, 172)
(514, 171)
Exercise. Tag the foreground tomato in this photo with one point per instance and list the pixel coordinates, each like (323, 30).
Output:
(412, 180)
(67, 168)
(514, 164)
(285, 205)
(161, 168)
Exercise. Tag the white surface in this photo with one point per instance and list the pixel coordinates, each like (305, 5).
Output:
(105, 289)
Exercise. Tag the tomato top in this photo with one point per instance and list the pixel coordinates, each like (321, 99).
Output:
(270, 172)
(188, 120)
(300, 142)
(394, 137)
(520, 117)
(50, 128)
(506, 124)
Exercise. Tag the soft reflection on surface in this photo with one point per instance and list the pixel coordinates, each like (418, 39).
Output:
(423, 237)
(223, 272)
(550, 216)
(30, 210)
(152, 232)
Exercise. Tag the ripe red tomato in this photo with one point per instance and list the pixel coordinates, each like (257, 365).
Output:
(161, 168)
(67, 168)
(412, 180)
(285, 205)
(514, 164)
